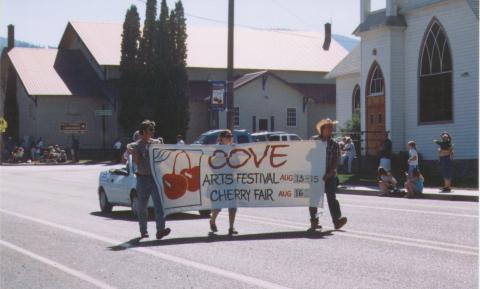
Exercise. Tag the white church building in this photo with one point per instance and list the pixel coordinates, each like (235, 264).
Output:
(414, 74)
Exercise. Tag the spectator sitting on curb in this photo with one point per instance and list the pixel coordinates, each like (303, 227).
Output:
(414, 184)
(386, 182)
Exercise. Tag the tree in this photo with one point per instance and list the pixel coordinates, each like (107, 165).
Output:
(11, 105)
(147, 57)
(178, 74)
(163, 63)
(131, 100)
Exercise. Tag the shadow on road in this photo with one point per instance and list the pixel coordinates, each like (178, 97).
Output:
(211, 238)
(126, 215)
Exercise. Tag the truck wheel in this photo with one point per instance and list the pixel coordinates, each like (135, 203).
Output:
(105, 206)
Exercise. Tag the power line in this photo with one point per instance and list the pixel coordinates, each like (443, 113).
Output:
(244, 25)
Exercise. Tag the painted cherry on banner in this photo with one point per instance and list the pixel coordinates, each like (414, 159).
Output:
(192, 174)
(175, 185)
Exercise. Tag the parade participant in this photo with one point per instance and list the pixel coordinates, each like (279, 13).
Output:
(445, 154)
(412, 157)
(225, 138)
(145, 183)
(325, 130)
(386, 182)
(385, 153)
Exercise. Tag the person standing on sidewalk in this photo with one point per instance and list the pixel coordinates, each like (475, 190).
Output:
(75, 148)
(386, 153)
(146, 186)
(325, 130)
(445, 154)
(412, 157)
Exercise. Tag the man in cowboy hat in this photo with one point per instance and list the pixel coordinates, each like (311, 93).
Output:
(325, 130)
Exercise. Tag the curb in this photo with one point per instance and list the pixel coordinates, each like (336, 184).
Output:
(428, 196)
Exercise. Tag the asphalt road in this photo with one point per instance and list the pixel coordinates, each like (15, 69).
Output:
(53, 236)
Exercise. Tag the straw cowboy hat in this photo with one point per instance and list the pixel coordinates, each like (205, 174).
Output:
(323, 122)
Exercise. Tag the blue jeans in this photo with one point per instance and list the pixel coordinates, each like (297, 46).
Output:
(410, 169)
(145, 187)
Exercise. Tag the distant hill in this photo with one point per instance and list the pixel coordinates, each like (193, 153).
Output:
(4, 42)
(347, 42)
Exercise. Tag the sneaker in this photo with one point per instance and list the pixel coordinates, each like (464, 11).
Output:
(340, 223)
(213, 227)
(232, 231)
(161, 234)
(314, 224)
(144, 235)
(446, 190)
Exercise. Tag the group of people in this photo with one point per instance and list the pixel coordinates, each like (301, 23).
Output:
(414, 179)
(146, 187)
(30, 150)
(348, 153)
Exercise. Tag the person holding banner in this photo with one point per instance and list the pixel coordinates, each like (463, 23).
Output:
(325, 130)
(145, 183)
(224, 138)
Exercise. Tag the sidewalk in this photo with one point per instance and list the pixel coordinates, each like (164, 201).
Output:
(428, 193)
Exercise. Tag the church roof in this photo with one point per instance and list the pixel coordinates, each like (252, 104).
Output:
(379, 18)
(349, 65)
(207, 47)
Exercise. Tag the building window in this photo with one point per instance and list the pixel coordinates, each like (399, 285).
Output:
(291, 117)
(376, 82)
(435, 76)
(356, 102)
(236, 118)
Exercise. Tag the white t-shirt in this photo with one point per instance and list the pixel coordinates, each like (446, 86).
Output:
(350, 148)
(180, 142)
(411, 154)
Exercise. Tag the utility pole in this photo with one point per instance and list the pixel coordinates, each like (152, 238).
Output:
(230, 93)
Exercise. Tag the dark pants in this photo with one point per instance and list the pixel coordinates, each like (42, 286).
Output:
(333, 204)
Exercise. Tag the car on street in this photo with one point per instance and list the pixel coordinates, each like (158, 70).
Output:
(211, 137)
(117, 187)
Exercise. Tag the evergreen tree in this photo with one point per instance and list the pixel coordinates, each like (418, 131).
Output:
(131, 100)
(147, 57)
(163, 63)
(179, 75)
(11, 105)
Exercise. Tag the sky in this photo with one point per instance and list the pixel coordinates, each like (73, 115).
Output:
(43, 22)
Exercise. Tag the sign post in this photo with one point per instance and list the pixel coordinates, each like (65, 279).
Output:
(73, 127)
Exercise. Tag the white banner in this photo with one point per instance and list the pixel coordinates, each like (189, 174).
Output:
(276, 174)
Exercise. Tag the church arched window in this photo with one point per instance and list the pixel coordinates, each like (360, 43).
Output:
(356, 102)
(435, 76)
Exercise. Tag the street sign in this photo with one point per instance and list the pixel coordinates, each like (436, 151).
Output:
(3, 124)
(103, 112)
(73, 127)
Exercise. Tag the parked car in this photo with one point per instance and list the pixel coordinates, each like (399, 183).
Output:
(211, 137)
(117, 187)
(264, 135)
(284, 137)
